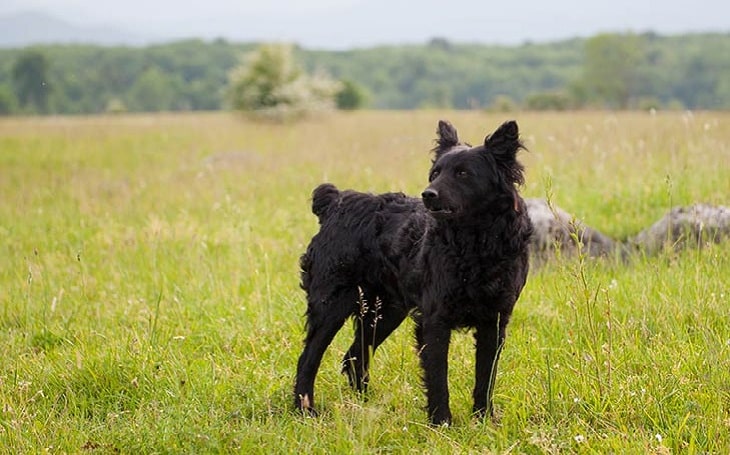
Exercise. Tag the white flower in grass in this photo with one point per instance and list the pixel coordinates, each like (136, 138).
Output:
(658, 437)
(579, 438)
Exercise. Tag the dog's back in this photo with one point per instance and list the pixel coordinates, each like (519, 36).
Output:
(357, 236)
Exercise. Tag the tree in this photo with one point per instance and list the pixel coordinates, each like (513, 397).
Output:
(153, 91)
(269, 84)
(30, 78)
(702, 79)
(7, 100)
(440, 44)
(610, 69)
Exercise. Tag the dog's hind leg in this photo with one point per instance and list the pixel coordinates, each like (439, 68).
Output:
(489, 342)
(324, 320)
(372, 327)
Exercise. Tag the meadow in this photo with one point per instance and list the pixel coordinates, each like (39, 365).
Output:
(150, 301)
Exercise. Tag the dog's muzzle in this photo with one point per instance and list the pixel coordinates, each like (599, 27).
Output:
(433, 203)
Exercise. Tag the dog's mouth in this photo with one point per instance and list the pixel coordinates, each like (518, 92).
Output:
(437, 208)
(440, 212)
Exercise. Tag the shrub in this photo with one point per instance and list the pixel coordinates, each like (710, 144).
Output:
(270, 85)
(351, 96)
(549, 101)
(503, 103)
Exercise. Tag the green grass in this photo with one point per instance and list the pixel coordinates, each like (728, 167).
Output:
(149, 298)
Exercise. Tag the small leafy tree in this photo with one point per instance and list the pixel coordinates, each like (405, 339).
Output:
(30, 78)
(270, 85)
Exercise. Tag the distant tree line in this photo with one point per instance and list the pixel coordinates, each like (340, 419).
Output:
(617, 71)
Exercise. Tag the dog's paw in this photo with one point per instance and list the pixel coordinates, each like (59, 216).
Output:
(305, 405)
(486, 415)
(481, 412)
(309, 412)
(440, 419)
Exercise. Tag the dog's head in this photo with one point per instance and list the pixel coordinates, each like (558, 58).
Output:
(464, 180)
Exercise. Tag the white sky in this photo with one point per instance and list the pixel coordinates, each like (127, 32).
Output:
(347, 23)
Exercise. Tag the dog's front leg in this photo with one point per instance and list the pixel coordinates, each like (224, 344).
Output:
(489, 341)
(434, 352)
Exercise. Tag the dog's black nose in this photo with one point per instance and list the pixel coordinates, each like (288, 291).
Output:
(431, 199)
(429, 194)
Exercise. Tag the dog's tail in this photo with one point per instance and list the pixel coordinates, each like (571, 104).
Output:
(323, 198)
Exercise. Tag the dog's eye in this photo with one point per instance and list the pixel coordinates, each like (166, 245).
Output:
(462, 174)
(434, 174)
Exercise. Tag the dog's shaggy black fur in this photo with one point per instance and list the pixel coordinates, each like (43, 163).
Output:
(456, 258)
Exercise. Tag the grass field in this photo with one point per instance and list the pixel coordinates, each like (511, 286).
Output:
(149, 298)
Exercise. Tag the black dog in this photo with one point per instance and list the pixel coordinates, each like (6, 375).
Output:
(457, 257)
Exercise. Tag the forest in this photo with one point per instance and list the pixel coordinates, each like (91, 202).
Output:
(613, 71)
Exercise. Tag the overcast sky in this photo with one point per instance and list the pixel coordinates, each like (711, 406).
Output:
(355, 23)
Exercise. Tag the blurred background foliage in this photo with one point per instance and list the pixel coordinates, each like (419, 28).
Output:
(614, 71)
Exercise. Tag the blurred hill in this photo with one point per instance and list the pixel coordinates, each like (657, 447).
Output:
(349, 24)
(28, 28)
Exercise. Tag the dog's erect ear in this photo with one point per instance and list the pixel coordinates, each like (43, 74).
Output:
(503, 144)
(506, 139)
(447, 137)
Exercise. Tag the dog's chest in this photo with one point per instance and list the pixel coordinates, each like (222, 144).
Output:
(465, 296)
(463, 276)
(464, 273)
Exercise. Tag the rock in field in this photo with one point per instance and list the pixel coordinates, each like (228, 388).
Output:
(557, 230)
(682, 227)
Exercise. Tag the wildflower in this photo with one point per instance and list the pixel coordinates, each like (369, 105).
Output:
(579, 438)
(658, 437)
